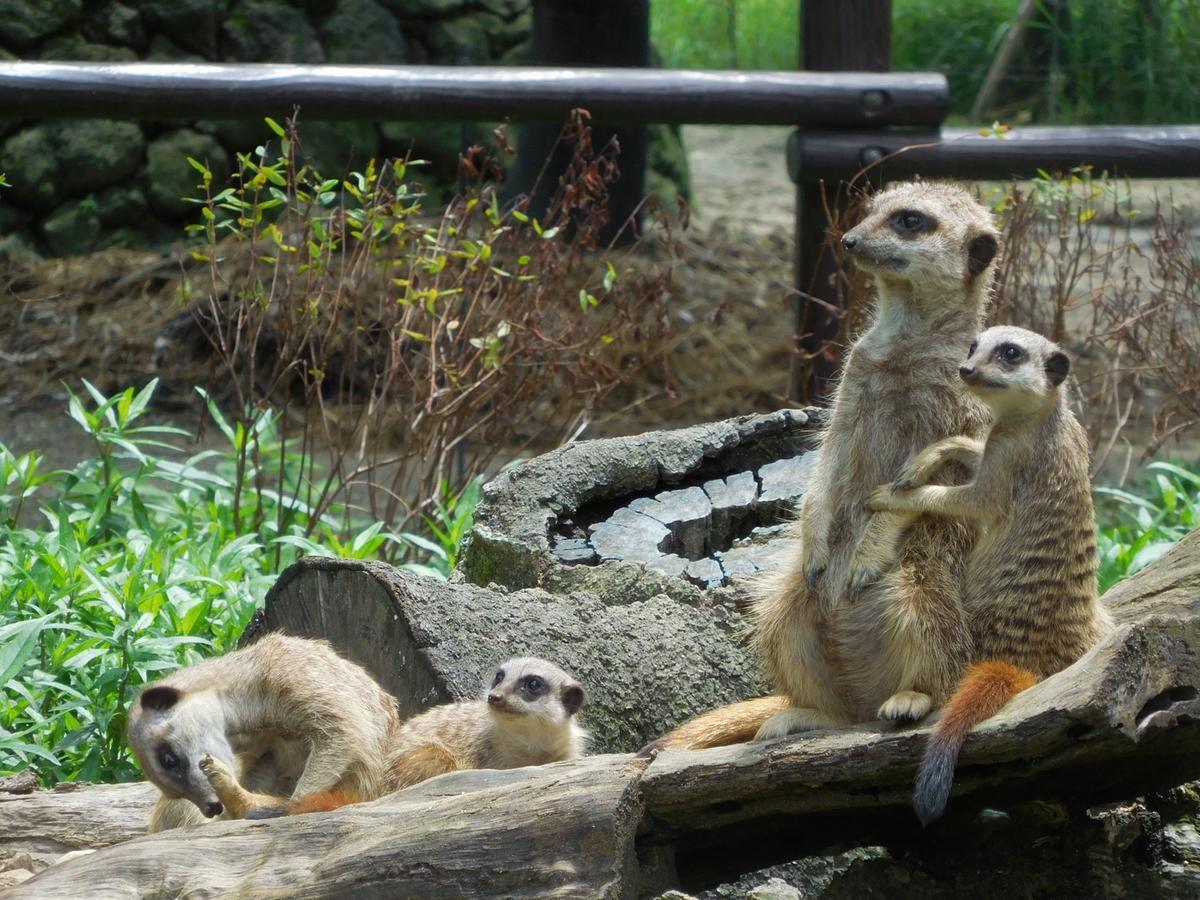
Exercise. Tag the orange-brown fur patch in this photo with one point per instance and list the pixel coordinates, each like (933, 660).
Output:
(324, 801)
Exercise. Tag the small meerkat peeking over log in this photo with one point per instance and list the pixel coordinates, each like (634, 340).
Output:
(1030, 584)
(526, 716)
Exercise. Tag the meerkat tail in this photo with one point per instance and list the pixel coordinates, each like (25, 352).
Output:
(733, 724)
(983, 691)
(321, 801)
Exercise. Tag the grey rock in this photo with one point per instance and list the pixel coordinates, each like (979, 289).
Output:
(121, 204)
(808, 877)
(29, 160)
(669, 564)
(25, 22)
(752, 558)
(192, 24)
(268, 31)
(72, 229)
(362, 31)
(462, 41)
(420, 9)
(428, 642)
(116, 23)
(169, 177)
(18, 248)
(98, 152)
(75, 49)
(335, 148)
(1182, 841)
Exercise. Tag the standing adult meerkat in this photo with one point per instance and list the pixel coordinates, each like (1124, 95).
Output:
(1030, 585)
(525, 717)
(898, 649)
(287, 715)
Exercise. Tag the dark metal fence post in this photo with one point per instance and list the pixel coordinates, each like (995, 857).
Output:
(572, 33)
(836, 35)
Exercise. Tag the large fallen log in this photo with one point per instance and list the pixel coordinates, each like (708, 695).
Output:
(1123, 720)
(565, 830)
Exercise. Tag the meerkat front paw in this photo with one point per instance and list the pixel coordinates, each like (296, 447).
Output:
(219, 775)
(906, 706)
(861, 575)
(882, 499)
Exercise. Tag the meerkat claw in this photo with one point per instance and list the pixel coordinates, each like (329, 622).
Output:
(901, 484)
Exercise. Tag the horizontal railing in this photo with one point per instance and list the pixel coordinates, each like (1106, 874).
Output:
(228, 90)
(1145, 151)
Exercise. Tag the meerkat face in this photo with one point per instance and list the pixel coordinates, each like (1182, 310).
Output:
(528, 686)
(1014, 371)
(931, 235)
(169, 732)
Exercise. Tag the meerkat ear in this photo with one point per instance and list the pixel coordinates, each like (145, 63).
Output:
(980, 253)
(160, 698)
(1057, 367)
(572, 699)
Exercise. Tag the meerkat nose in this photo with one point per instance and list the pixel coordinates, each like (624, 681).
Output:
(966, 371)
(212, 809)
(495, 699)
(849, 241)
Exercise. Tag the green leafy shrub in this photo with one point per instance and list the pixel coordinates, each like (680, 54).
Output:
(140, 560)
(1139, 527)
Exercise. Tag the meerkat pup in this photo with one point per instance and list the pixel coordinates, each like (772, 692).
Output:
(285, 715)
(898, 651)
(525, 717)
(1030, 585)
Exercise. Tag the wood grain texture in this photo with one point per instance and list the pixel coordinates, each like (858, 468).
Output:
(549, 831)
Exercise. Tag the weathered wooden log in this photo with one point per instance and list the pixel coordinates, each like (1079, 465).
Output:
(36, 828)
(562, 830)
(430, 642)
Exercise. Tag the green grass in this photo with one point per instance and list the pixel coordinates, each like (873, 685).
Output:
(1117, 64)
(138, 561)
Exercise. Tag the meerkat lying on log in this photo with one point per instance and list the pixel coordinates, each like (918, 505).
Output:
(287, 715)
(898, 651)
(526, 717)
(1030, 587)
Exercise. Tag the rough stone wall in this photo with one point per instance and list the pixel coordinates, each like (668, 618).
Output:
(85, 185)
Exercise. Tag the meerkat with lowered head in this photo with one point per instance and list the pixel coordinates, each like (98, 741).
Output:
(526, 717)
(899, 649)
(1030, 585)
(286, 715)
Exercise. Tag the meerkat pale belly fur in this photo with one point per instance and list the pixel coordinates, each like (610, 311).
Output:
(287, 715)
(1030, 585)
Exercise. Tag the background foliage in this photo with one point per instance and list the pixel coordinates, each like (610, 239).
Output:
(1116, 61)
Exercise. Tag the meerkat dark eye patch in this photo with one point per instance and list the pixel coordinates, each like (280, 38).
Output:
(160, 698)
(971, 350)
(533, 684)
(1010, 353)
(1058, 365)
(168, 758)
(499, 677)
(909, 223)
(980, 253)
(572, 699)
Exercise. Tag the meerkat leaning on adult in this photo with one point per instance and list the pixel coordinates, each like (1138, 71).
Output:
(1030, 585)
(526, 717)
(897, 651)
(286, 715)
